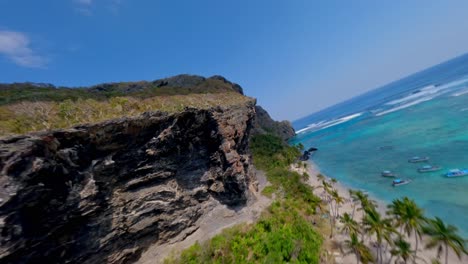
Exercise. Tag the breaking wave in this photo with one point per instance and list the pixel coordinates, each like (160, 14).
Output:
(326, 124)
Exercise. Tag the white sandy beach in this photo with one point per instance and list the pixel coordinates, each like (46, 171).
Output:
(343, 190)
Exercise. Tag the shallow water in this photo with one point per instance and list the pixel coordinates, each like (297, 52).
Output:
(423, 115)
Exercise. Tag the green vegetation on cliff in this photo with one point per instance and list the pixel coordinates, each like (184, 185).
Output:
(284, 233)
(31, 107)
(27, 117)
(177, 85)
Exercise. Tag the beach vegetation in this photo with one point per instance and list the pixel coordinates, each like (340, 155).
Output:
(292, 231)
(375, 225)
(284, 233)
(404, 219)
(444, 237)
(349, 225)
(359, 249)
(409, 217)
(402, 251)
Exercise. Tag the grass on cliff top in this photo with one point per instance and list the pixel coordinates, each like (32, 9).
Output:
(284, 233)
(18, 92)
(24, 117)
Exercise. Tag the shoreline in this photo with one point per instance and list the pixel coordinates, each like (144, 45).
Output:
(343, 190)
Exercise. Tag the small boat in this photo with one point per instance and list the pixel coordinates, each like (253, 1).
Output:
(456, 173)
(398, 182)
(387, 173)
(418, 159)
(429, 168)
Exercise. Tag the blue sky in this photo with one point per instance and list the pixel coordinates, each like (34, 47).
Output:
(296, 57)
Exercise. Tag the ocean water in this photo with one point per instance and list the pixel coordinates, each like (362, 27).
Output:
(425, 114)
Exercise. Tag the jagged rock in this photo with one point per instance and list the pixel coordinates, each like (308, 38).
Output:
(234, 86)
(182, 80)
(105, 192)
(265, 124)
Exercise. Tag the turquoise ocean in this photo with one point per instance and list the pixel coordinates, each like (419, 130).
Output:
(425, 114)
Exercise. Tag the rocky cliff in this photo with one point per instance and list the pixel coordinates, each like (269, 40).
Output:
(105, 192)
(265, 124)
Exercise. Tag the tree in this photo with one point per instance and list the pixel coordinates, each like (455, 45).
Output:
(395, 210)
(354, 200)
(374, 224)
(412, 219)
(349, 224)
(402, 250)
(365, 202)
(320, 177)
(358, 248)
(338, 201)
(444, 236)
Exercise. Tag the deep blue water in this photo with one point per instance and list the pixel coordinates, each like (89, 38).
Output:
(425, 114)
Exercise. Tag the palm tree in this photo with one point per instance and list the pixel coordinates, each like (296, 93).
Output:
(364, 200)
(325, 186)
(331, 198)
(358, 248)
(338, 201)
(402, 250)
(354, 200)
(320, 177)
(395, 210)
(374, 224)
(441, 235)
(349, 224)
(409, 217)
(412, 219)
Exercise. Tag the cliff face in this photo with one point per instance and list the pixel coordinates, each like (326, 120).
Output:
(265, 124)
(105, 192)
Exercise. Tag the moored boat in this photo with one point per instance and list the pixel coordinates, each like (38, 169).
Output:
(416, 159)
(456, 173)
(398, 182)
(387, 173)
(429, 168)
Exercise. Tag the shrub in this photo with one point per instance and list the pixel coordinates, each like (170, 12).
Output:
(284, 233)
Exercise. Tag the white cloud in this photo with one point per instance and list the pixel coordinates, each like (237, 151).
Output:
(16, 46)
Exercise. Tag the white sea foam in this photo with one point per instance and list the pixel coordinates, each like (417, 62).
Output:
(454, 83)
(429, 90)
(403, 106)
(325, 124)
(459, 93)
(342, 120)
(425, 94)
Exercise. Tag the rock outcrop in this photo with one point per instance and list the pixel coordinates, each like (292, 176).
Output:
(104, 192)
(265, 124)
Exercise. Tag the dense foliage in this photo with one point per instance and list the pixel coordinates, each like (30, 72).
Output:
(282, 237)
